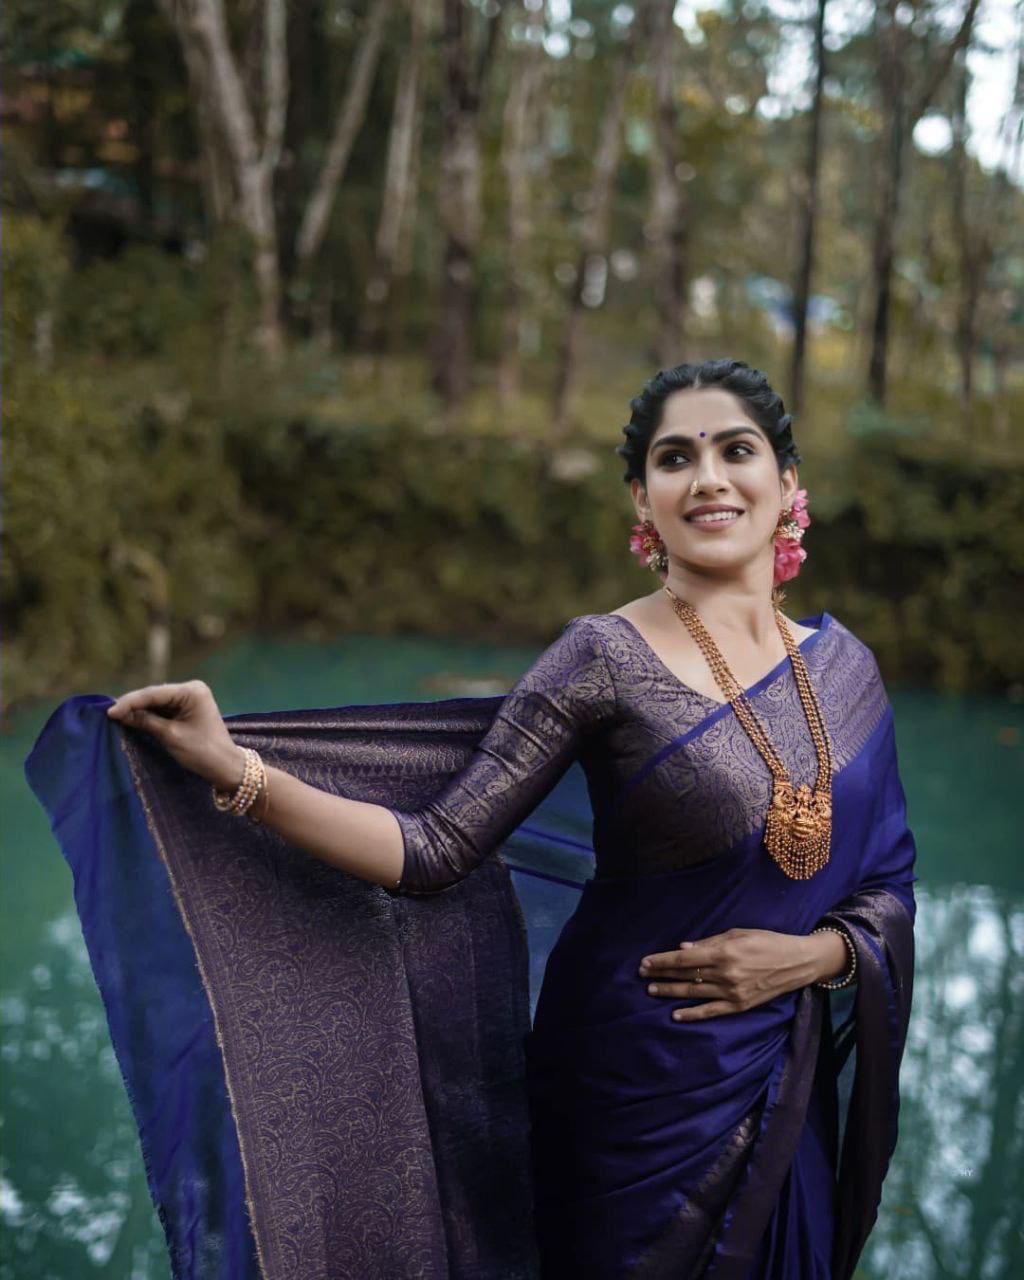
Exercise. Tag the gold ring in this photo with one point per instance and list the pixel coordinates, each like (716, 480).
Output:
(698, 977)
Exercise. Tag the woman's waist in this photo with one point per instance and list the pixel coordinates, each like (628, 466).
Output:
(594, 995)
(622, 1057)
(595, 1008)
(741, 888)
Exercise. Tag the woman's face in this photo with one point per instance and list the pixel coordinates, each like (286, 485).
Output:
(707, 441)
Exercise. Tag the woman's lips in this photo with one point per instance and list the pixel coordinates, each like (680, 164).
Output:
(716, 517)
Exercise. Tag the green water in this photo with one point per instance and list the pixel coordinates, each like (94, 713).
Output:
(73, 1198)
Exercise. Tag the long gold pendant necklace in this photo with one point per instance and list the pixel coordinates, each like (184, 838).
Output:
(798, 829)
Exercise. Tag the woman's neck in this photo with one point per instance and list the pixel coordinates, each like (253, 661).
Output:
(739, 607)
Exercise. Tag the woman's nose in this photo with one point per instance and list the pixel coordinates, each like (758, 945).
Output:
(708, 476)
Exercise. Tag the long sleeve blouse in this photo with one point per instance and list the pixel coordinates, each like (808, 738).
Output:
(536, 735)
(672, 776)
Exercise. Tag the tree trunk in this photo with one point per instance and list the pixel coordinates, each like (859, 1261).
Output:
(308, 60)
(1002, 354)
(401, 282)
(142, 29)
(808, 196)
(900, 120)
(203, 32)
(967, 303)
(1000, 325)
(399, 171)
(459, 196)
(891, 76)
(351, 112)
(215, 167)
(594, 235)
(521, 116)
(666, 226)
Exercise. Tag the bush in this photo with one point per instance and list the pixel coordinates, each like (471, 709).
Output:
(265, 515)
(924, 559)
(34, 270)
(115, 523)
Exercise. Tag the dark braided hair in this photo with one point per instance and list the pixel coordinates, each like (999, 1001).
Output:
(763, 406)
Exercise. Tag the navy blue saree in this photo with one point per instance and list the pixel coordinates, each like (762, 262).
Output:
(335, 1080)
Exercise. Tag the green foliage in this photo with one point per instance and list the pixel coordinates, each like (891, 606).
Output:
(34, 269)
(114, 521)
(132, 305)
(265, 510)
(924, 559)
(146, 302)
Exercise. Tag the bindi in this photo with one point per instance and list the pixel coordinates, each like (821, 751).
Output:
(703, 434)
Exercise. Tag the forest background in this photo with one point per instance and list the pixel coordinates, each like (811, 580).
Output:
(327, 316)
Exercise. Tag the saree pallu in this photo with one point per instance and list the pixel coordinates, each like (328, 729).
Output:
(333, 1081)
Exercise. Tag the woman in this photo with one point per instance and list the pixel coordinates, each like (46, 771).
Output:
(751, 853)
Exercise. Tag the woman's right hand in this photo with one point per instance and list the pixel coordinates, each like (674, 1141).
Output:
(186, 721)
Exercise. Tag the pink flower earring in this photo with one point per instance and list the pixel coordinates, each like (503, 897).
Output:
(647, 546)
(789, 554)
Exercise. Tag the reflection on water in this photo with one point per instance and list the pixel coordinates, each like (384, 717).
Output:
(954, 1202)
(73, 1197)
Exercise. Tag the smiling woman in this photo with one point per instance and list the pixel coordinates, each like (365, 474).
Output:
(750, 852)
(710, 471)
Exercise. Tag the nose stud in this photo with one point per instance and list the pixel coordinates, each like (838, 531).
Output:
(694, 488)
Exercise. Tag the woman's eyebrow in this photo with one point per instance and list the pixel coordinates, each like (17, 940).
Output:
(717, 438)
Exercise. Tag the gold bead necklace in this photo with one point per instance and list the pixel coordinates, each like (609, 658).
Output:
(798, 829)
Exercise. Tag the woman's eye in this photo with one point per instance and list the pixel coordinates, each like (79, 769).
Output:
(666, 458)
(738, 450)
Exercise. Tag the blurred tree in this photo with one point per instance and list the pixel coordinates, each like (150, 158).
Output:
(398, 196)
(807, 221)
(520, 145)
(239, 152)
(668, 222)
(350, 115)
(913, 56)
(719, 158)
(1004, 296)
(593, 237)
(983, 228)
(973, 238)
(466, 64)
(242, 156)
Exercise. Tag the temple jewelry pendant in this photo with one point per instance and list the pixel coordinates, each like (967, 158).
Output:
(798, 832)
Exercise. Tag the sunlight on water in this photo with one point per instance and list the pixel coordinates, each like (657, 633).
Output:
(73, 1197)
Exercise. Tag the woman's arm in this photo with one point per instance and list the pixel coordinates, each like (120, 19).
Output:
(363, 839)
(536, 734)
(533, 739)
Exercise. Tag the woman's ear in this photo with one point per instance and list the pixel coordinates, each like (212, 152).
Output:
(640, 503)
(790, 484)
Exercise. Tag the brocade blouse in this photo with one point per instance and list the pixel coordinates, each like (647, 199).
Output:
(673, 778)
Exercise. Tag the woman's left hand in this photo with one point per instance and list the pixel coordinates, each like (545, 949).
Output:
(739, 969)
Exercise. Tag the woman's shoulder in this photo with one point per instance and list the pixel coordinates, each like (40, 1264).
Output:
(633, 612)
(589, 635)
(842, 637)
(598, 631)
(593, 622)
(845, 654)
